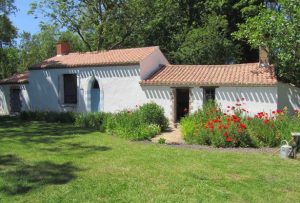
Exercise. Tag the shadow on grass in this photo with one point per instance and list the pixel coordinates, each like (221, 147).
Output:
(37, 132)
(9, 160)
(73, 148)
(20, 178)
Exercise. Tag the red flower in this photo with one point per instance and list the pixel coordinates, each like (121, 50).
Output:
(266, 121)
(240, 131)
(273, 112)
(226, 134)
(217, 121)
(279, 111)
(243, 126)
(228, 139)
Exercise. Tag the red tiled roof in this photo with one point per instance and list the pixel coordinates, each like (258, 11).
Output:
(20, 78)
(101, 58)
(213, 75)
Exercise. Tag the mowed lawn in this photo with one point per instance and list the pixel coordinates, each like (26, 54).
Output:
(42, 162)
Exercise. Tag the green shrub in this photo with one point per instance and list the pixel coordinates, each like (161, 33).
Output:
(95, 120)
(152, 113)
(48, 116)
(129, 125)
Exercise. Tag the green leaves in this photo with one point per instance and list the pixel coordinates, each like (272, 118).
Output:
(277, 27)
(208, 44)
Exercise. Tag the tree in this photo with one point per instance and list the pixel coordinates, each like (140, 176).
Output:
(87, 18)
(208, 44)
(7, 33)
(38, 47)
(277, 28)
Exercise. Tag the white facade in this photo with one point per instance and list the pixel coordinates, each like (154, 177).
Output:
(252, 99)
(5, 90)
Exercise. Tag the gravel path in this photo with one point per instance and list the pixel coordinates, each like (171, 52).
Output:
(172, 136)
(211, 148)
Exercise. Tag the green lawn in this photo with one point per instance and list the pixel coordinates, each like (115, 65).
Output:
(58, 163)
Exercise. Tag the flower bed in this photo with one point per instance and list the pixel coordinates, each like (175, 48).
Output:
(235, 128)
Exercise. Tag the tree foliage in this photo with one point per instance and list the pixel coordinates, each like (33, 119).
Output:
(175, 25)
(35, 48)
(187, 31)
(7, 33)
(277, 27)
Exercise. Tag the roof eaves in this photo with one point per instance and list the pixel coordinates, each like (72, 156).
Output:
(82, 66)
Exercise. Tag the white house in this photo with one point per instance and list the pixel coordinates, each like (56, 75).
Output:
(115, 80)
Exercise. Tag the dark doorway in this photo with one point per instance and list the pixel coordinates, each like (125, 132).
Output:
(15, 101)
(182, 103)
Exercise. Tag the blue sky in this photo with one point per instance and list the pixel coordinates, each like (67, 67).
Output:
(22, 20)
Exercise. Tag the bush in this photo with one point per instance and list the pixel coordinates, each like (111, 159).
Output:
(129, 125)
(152, 113)
(142, 123)
(48, 116)
(95, 120)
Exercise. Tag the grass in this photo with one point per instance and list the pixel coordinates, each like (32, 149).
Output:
(42, 162)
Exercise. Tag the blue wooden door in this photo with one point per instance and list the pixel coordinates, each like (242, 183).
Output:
(95, 97)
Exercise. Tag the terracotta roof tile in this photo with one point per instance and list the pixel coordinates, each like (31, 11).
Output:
(101, 58)
(213, 75)
(20, 78)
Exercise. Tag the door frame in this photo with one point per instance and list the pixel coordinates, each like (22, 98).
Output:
(12, 88)
(175, 99)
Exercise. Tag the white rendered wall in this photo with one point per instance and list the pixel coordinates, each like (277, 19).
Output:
(119, 89)
(4, 99)
(152, 63)
(25, 100)
(161, 95)
(196, 99)
(289, 96)
(256, 99)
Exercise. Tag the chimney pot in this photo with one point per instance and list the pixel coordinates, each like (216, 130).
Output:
(62, 48)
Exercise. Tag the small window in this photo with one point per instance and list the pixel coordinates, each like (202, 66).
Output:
(70, 89)
(210, 94)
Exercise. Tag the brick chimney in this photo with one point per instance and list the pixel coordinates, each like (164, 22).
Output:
(62, 48)
(264, 57)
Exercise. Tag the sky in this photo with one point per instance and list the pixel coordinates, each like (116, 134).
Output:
(22, 20)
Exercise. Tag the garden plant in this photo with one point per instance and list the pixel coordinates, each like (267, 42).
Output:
(234, 127)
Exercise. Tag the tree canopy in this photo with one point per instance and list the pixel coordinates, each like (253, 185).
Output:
(277, 28)
(8, 32)
(187, 31)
